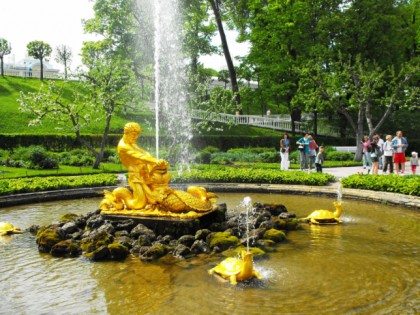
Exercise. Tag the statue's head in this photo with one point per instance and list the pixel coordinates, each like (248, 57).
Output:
(132, 127)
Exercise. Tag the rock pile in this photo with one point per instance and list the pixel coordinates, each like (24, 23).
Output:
(99, 238)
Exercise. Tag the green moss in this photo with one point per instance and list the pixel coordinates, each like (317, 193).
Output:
(223, 240)
(292, 224)
(156, 251)
(279, 224)
(68, 217)
(66, 248)
(118, 251)
(274, 235)
(46, 238)
(92, 243)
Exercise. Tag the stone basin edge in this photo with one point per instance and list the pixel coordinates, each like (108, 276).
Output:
(327, 191)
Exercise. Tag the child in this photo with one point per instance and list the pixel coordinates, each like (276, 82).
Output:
(414, 161)
(319, 160)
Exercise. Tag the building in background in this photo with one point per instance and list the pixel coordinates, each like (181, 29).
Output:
(29, 68)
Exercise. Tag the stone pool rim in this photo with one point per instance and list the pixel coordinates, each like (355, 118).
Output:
(327, 191)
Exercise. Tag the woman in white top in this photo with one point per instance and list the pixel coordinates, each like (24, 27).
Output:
(388, 152)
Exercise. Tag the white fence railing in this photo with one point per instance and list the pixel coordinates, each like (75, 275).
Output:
(31, 74)
(283, 123)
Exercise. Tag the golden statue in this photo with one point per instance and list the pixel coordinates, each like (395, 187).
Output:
(149, 178)
(236, 269)
(326, 216)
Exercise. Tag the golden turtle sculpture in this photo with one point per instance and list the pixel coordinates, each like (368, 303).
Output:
(326, 216)
(7, 228)
(235, 269)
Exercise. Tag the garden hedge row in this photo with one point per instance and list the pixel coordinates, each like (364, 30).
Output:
(61, 143)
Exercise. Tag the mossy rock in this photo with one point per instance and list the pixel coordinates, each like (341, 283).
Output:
(274, 235)
(66, 248)
(292, 224)
(222, 240)
(255, 251)
(267, 245)
(68, 217)
(100, 253)
(279, 224)
(118, 251)
(46, 238)
(154, 252)
(92, 243)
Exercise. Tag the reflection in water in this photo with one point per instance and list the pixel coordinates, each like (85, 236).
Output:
(368, 264)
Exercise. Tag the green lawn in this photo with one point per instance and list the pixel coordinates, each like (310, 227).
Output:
(15, 122)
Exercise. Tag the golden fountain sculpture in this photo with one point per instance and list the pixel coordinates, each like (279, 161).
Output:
(149, 178)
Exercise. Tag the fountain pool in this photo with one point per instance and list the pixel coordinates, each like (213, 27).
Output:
(367, 265)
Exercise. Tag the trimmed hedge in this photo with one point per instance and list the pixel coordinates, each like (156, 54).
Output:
(61, 143)
(248, 175)
(34, 184)
(407, 185)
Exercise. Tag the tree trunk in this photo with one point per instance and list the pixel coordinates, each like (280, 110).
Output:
(296, 115)
(2, 69)
(42, 69)
(315, 131)
(100, 154)
(226, 52)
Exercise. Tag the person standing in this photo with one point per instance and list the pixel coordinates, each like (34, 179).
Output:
(399, 144)
(312, 152)
(367, 162)
(381, 151)
(388, 152)
(414, 162)
(303, 146)
(284, 152)
(319, 160)
(374, 154)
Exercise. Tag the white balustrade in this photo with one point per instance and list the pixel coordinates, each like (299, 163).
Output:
(278, 122)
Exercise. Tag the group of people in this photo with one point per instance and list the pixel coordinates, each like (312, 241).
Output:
(384, 155)
(308, 155)
(377, 154)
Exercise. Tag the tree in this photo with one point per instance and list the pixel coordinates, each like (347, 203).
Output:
(63, 56)
(108, 78)
(217, 10)
(5, 49)
(39, 50)
(356, 90)
(111, 71)
(199, 30)
(223, 76)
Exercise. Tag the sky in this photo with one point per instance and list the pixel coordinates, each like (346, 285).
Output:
(59, 22)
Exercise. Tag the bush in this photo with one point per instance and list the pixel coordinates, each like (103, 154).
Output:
(251, 175)
(251, 155)
(204, 156)
(77, 157)
(33, 184)
(339, 156)
(408, 185)
(39, 158)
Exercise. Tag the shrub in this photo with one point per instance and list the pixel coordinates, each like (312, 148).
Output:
(408, 185)
(251, 175)
(33, 184)
(77, 157)
(339, 156)
(39, 158)
(204, 156)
